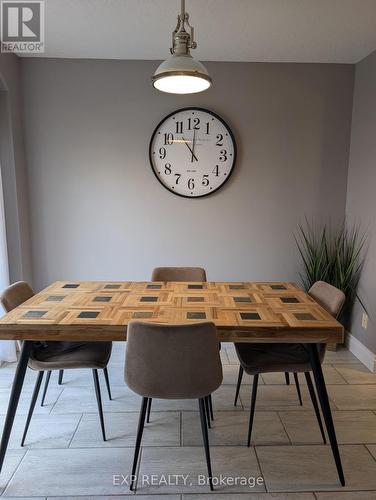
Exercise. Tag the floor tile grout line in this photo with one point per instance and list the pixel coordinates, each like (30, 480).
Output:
(225, 383)
(75, 430)
(57, 399)
(284, 428)
(272, 409)
(369, 451)
(181, 428)
(159, 445)
(346, 382)
(14, 472)
(245, 382)
(260, 468)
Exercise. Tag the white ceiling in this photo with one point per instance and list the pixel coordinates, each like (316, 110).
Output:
(341, 31)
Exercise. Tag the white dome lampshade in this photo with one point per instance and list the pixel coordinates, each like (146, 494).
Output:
(180, 73)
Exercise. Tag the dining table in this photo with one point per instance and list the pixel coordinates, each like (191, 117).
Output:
(256, 312)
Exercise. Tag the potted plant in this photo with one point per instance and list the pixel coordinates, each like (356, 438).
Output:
(335, 255)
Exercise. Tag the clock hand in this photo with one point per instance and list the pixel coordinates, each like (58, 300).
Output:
(190, 149)
(193, 146)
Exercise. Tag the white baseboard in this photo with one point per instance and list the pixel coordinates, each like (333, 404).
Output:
(367, 357)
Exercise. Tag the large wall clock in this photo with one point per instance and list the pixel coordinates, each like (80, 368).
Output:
(192, 152)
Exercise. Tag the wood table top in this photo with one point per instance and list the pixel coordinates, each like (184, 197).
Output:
(242, 311)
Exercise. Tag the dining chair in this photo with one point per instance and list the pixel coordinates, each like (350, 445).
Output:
(192, 275)
(315, 290)
(172, 362)
(58, 355)
(265, 358)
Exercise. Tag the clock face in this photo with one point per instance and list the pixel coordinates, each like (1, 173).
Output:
(192, 152)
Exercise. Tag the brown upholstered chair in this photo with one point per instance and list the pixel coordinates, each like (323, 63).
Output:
(172, 362)
(265, 358)
(179, 274)
(58, 355)
(192, 275)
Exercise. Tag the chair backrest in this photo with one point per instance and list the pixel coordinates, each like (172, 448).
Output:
(172, 361)
(328, 296)
(178, 274)
(15, 295)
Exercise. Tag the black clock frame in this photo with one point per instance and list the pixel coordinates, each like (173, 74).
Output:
(189, 108)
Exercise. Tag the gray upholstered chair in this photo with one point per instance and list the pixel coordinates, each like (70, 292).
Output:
(172, 362)
(265, 358)
(189, 274)
(58, 355)
(179, 274)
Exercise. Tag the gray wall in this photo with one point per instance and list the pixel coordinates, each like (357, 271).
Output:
(99, 213)
(361, 200)
(13, 168)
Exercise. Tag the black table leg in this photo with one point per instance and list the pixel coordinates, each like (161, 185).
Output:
(325, 407)
(14, 397)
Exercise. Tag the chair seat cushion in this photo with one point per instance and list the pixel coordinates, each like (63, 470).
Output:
(266, 358)
(66, 355)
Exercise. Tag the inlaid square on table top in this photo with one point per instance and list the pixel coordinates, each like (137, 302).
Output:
(199, 314)
(48, 300)
(259, 314)
(249, 299)
(147, 287)
(192, 300)
(287, 299)
(102, 297)
(276, 287)
(156, 297)
(59, 287)
(185, 288)
(313, 316)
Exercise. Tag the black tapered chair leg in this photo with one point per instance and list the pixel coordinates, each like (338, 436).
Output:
(99, 401)
(240, 376)
(253, 405)
(206, 415)
(297, 385)
(34, 398)
(207, 411)
(325, 407)
(287, 377)
(205, 437)
(148, 410)
(141, 423)
(211, 407)
(61, 373)
(105, 371)
(47, 381)
(315, 404)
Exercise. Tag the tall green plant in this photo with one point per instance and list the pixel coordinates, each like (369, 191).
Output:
(335, 255)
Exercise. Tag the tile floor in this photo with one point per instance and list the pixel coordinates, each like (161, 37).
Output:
(65, 457)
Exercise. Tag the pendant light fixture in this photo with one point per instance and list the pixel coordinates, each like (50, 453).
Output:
(180, 73)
